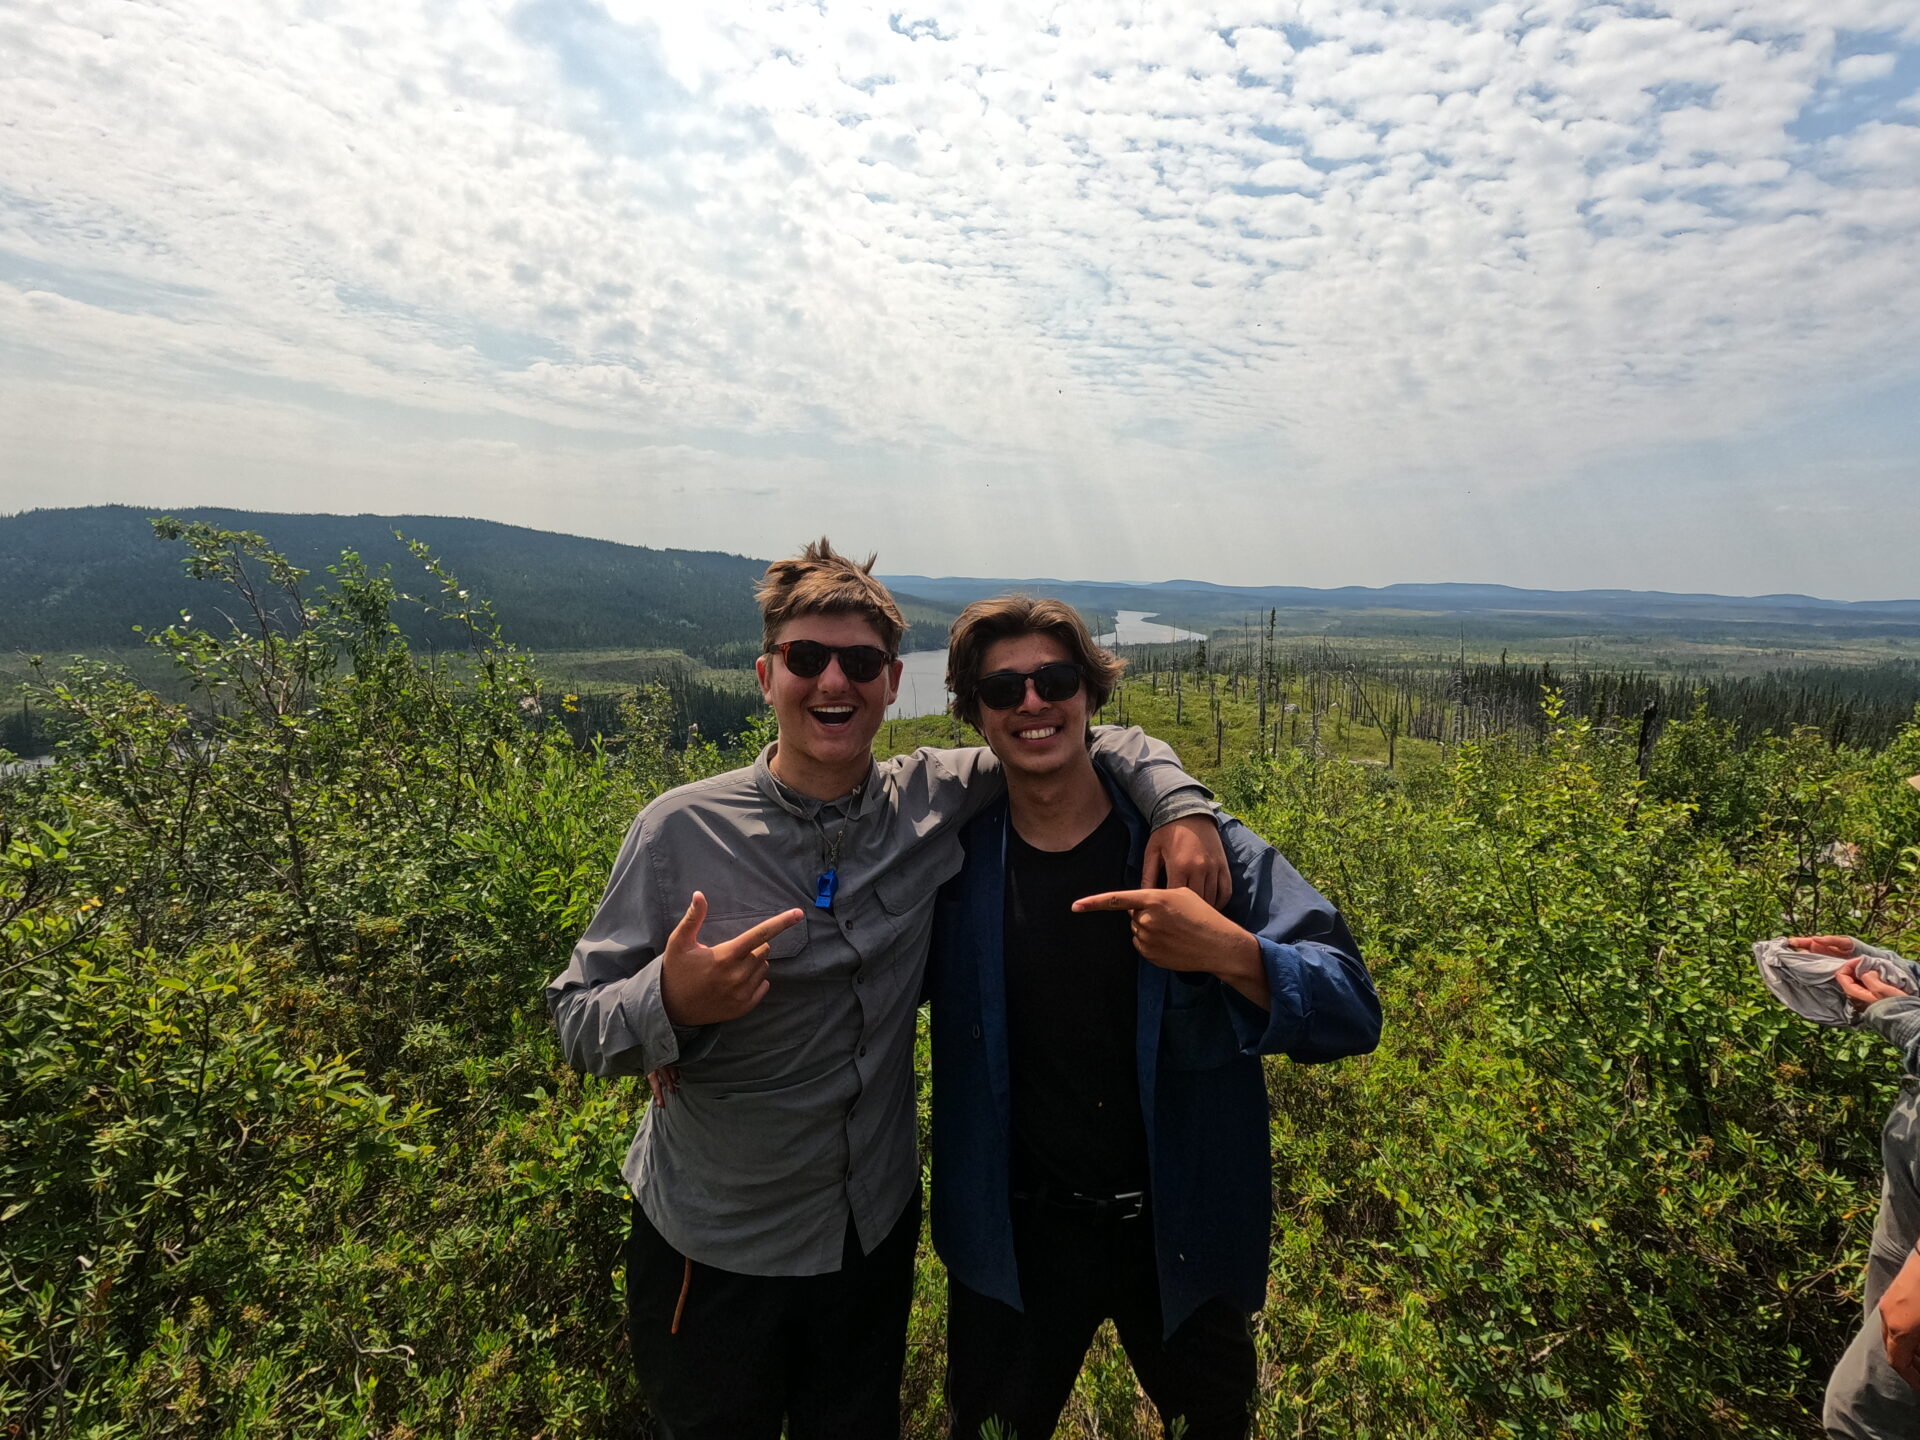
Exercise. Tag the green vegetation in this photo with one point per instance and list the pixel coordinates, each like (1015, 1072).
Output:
(1596, 1181)
(287, 1148)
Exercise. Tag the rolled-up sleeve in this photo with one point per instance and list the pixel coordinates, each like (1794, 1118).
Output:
(606, 1005)
(1322, 1004)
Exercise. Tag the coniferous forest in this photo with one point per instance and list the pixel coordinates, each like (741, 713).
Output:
(287, 1147)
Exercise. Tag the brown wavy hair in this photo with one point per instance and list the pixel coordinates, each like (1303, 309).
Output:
(1007, 616)
(822, 581)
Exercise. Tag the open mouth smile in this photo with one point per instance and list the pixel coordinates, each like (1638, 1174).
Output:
(1042, 732)
(834, 715)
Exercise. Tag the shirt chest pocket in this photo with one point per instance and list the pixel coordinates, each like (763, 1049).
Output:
(912, 885)
(789, 943)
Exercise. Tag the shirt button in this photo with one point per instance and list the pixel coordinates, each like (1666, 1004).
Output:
(863, 1052)
(859, 977)
(976, 1032)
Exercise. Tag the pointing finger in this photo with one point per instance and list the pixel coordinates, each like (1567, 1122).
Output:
(1119, 900)
(763, 932)
(687, 932)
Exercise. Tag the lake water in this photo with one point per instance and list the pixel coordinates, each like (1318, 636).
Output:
(923, 685)
(1133, 627)
(923, 674)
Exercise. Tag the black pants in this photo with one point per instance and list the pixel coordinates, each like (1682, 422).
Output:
(1077, 1269)
(821, 1352)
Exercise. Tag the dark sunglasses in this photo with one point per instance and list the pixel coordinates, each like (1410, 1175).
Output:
(1005, 689)
(808, 658)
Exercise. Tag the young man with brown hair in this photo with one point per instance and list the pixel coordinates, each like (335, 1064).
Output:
(770, 1266)
(1099, 1107)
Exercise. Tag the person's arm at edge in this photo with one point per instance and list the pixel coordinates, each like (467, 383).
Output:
(1321, 1001)
(1897, 1021)
(607, 1005)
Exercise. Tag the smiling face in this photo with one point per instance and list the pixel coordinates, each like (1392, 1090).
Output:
(827, 722)
(1036, 738)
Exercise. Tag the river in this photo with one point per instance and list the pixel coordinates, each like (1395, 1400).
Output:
(923, 674)
(923, 685)
(1131, 627)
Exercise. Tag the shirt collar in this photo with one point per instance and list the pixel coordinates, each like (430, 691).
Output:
(806, 807)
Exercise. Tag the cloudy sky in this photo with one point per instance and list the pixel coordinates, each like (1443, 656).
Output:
(1316, 293)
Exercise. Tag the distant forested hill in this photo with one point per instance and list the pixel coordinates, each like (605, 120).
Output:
(81, 579)
(1202, 599)
(1629, 625)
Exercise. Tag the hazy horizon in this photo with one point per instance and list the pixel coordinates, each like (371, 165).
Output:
(863, 548)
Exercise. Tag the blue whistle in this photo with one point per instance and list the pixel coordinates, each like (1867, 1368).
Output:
(824, 887)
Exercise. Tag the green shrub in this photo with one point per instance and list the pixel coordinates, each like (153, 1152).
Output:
(1596, 1181)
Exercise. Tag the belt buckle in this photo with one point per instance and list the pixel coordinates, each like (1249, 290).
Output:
(1128, 1205)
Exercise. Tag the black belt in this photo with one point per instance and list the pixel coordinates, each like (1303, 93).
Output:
(1125, 1205)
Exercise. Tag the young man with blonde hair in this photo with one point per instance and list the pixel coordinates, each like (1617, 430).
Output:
(764, 934)
(1099, 1107)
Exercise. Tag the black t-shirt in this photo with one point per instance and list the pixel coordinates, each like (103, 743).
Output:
(1071, 1008)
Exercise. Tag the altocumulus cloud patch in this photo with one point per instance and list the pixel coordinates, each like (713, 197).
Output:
(1350, 246)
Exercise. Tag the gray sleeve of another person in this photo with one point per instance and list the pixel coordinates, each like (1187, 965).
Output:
(960, 782)
(1898, 1022)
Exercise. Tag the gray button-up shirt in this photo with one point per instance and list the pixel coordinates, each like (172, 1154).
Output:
(800, 1112)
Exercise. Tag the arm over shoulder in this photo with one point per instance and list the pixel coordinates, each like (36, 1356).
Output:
(1149, 771)
(1898, 1022)
(949, 785)
(954, 785)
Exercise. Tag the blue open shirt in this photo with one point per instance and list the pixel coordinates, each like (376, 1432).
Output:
(1203, 1093)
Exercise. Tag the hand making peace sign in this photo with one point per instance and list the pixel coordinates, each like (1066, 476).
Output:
(705, 984)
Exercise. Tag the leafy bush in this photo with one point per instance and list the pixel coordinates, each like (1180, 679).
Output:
(1596, 1181)
(150, 1105)
(287, 1144)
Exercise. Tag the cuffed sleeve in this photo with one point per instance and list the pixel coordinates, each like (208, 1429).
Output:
(1183, 804)
(616, 1028)
(1897, 1021)
(1321, 1001)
